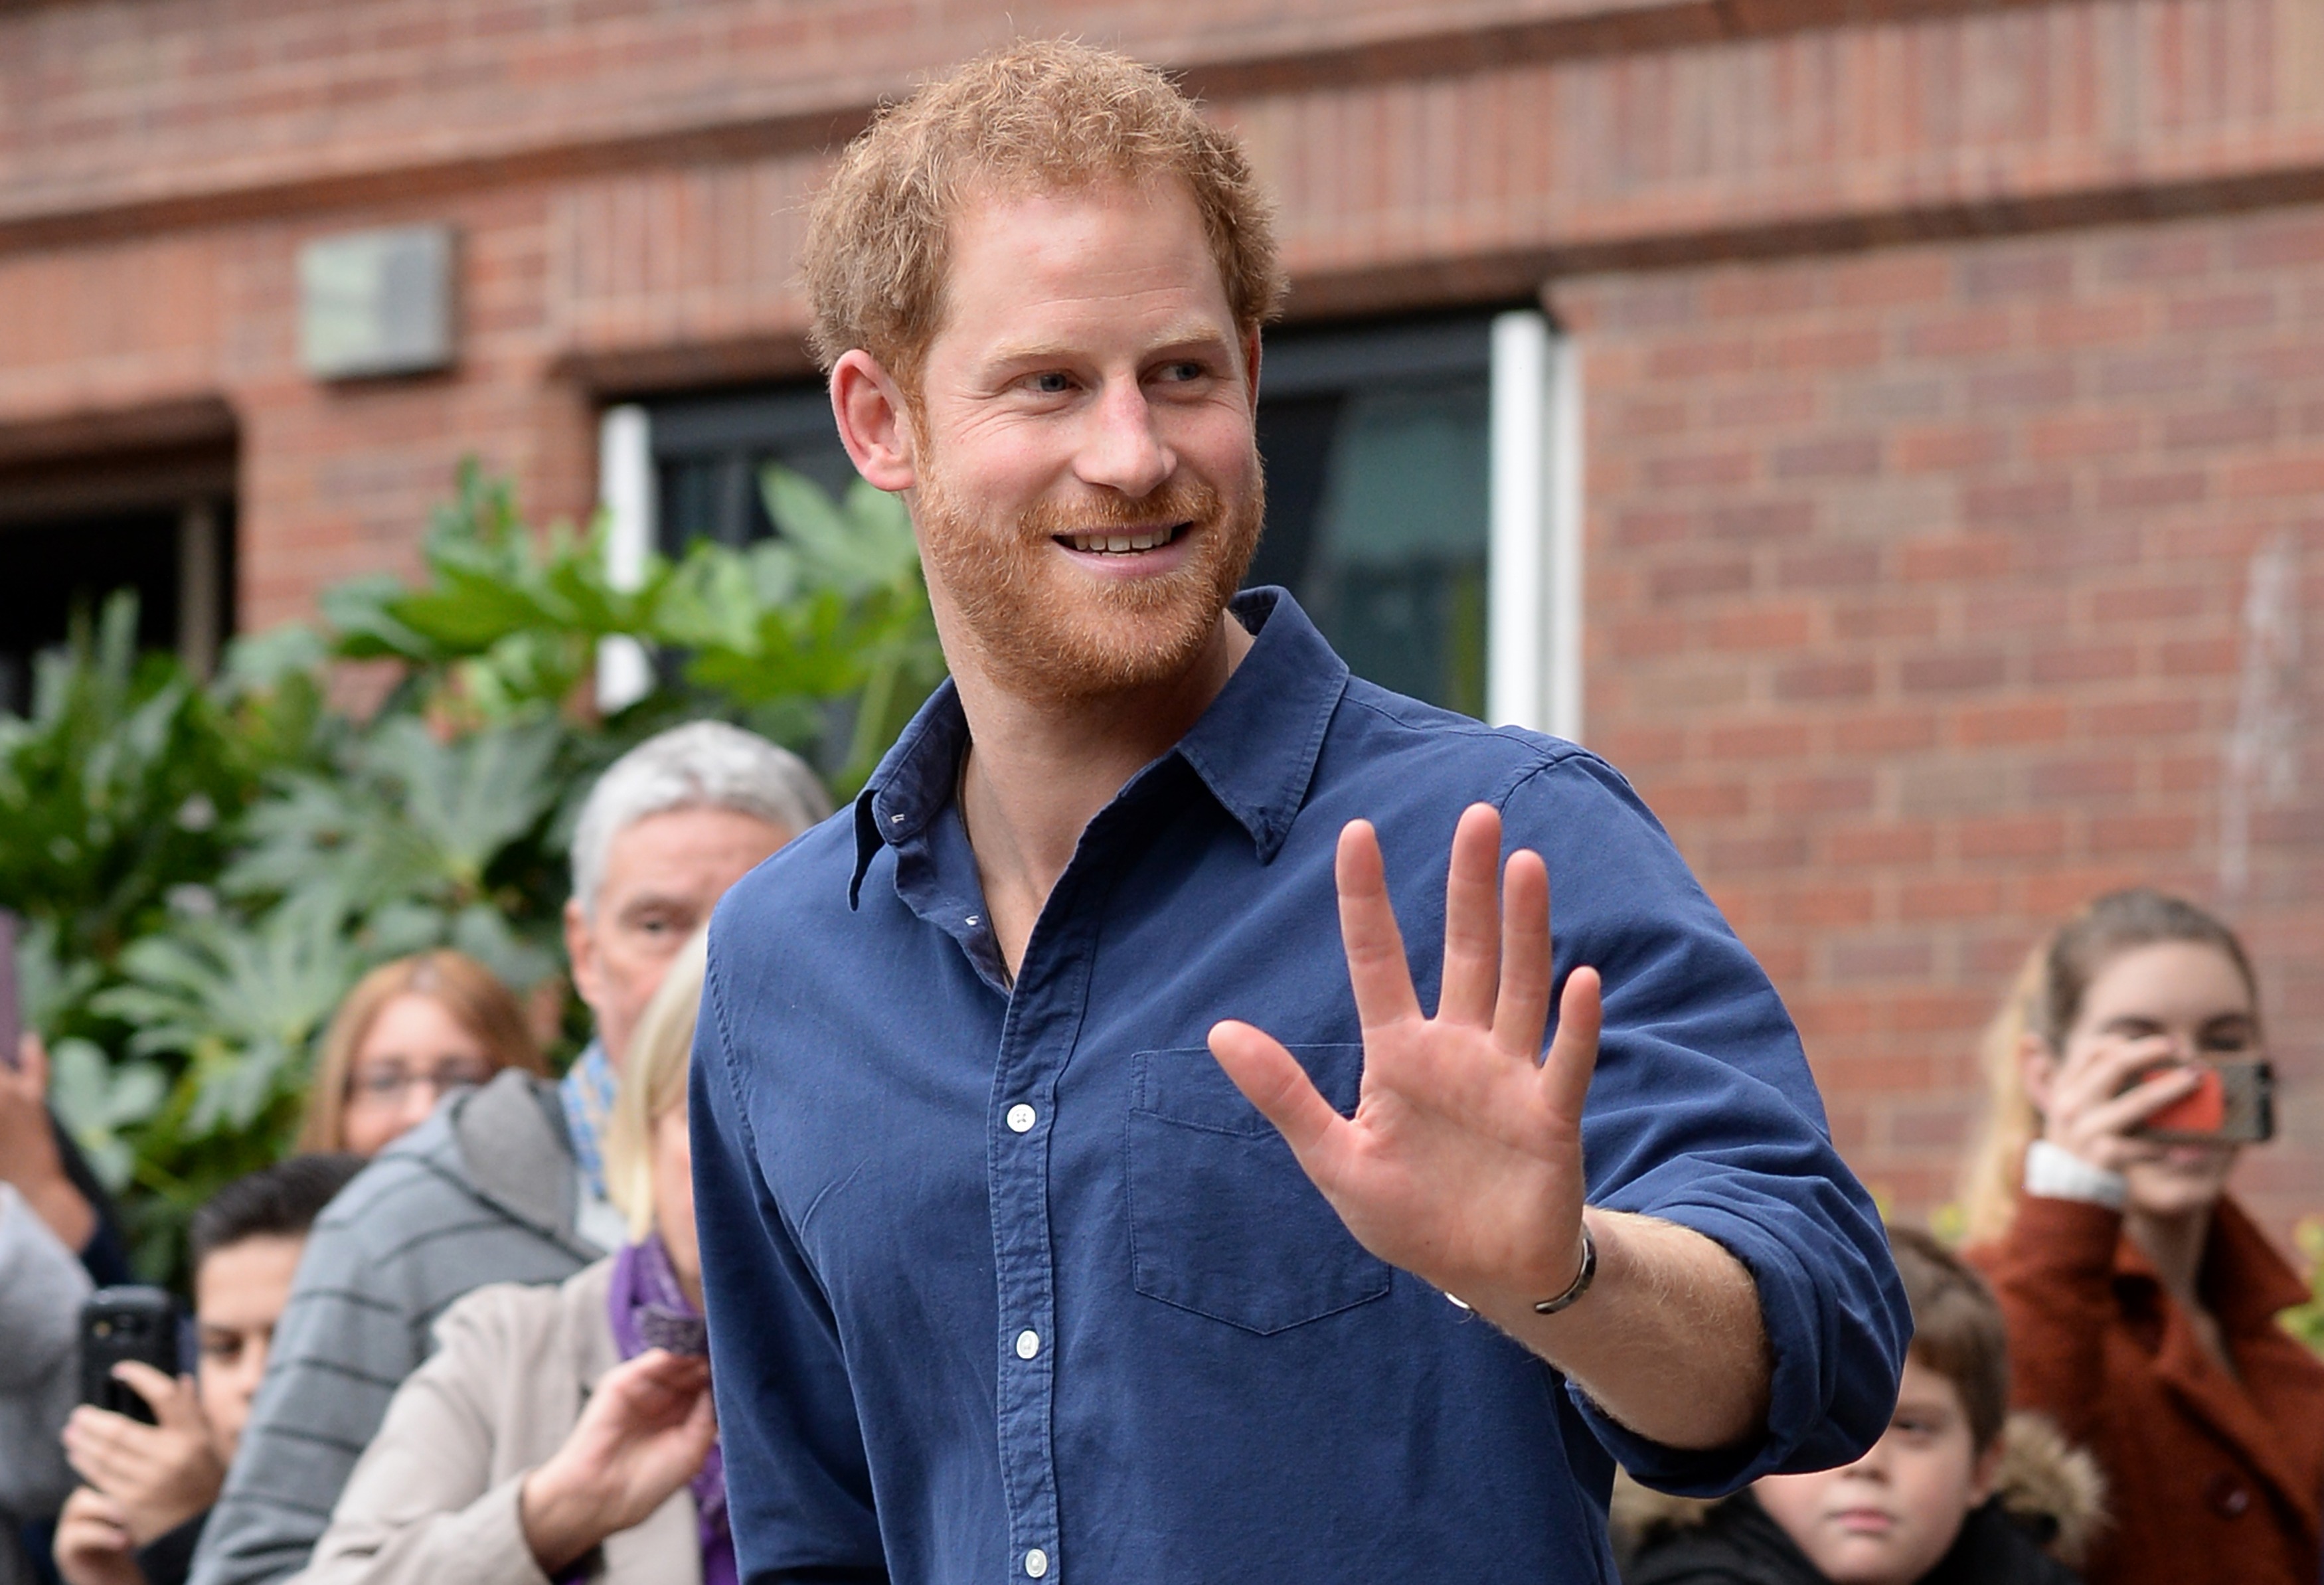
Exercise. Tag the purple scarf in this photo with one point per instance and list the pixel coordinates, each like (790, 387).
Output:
(648, 1310)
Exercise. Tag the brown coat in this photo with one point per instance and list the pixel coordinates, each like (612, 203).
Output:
(2213, 1477)
(434, 1499)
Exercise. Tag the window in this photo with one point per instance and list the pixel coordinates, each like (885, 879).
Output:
(73, 531)
(1423, 498)
(1379, 468)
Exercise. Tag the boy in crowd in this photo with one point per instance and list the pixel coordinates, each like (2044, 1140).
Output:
(1958, 1492)
(149, 1487)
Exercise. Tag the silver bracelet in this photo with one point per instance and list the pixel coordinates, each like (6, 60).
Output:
(1581, 1278)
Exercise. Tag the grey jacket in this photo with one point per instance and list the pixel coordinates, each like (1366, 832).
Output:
(485, 1191)
(433, 1501)
(42, 1287)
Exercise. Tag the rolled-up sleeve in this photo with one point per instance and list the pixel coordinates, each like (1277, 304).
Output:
(1703, 1113)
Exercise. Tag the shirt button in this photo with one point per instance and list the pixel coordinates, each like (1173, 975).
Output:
(1020, 1118)
(1037, 1563)
(1028, 1343)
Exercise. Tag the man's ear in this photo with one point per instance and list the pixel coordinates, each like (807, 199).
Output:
(1250, 352)
(580, 951)
(875, 423)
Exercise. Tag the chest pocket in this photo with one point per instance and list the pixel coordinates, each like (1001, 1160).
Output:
(1223, 1221)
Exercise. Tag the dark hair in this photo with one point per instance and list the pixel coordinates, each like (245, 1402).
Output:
(2106, 927)
(1957, 1329)
(279, 1201)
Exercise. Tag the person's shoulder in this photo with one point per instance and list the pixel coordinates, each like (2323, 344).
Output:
(1384, 738)
(517, 1316)
(807, 874)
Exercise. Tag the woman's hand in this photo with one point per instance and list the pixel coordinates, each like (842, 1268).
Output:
(157, 1477)
(2093, 1099)
(93, 1545)
(646, 1431)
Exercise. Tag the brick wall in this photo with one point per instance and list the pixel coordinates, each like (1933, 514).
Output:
(1917, 603)
(1921, 531)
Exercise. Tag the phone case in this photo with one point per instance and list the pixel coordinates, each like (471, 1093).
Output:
(122, 1324)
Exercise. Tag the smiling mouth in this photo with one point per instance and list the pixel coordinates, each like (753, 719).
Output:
(1122, 543)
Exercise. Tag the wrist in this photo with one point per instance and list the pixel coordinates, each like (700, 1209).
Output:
(556, 1513)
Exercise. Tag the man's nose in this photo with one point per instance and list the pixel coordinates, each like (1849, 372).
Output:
(1124, 451)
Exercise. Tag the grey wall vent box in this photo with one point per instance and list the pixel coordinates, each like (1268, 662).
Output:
(376, 302)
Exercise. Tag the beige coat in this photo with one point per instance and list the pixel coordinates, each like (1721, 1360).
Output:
(434, 1499)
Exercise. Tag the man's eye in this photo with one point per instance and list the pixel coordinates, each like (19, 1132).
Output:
(1183, 372)
(1052, 383)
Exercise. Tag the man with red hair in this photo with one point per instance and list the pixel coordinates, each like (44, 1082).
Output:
(1076, 1201)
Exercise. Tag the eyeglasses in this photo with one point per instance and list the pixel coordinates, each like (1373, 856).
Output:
(386, 1086)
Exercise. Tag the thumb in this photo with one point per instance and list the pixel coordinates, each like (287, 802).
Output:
(1271, 1079)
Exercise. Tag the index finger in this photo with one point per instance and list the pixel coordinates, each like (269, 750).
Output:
(1377, 970)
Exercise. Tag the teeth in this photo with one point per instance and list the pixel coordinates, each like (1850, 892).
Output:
(1118, 544)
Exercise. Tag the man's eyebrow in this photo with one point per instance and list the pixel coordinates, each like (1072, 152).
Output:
(656, 899)
(1176, 338)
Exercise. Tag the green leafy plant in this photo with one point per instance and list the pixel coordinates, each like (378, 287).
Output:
(206, 868)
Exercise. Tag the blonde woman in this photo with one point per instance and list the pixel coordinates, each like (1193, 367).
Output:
(553, 1424)
(410, 1030)
(2141, 1300)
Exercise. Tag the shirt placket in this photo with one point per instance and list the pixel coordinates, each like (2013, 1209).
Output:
(1037, 1037)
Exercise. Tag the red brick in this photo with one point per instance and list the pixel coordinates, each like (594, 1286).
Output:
(1887, 731)
(1836, 456)
(1825, 679)
(2142, 834)
(1965, 898)
(1954, 672)
(2032, 721)
(2013, 837)
(1689, 579)
(1823, 795)
(1911, 844)
(1950, 447)
(2082, 663)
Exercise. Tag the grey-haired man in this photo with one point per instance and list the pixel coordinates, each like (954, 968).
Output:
(504, 1183)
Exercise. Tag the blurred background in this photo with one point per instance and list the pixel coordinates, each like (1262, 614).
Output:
(1892, 431)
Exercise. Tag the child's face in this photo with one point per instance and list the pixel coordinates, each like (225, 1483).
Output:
(239, 1292)
(1890, 1516)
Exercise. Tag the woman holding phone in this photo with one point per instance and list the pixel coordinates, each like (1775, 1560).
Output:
(2123, 1072)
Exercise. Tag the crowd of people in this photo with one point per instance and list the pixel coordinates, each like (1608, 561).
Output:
(2096, 1383)
(1151, 1294)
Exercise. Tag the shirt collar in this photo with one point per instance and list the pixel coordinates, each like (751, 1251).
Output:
(1255, 748)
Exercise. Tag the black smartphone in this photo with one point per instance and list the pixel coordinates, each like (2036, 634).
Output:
(2235, 1105)
(129, 1322)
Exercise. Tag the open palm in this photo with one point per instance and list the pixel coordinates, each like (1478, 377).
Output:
(1462, 1163)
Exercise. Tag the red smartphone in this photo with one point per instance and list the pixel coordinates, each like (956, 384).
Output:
(2233, 1103)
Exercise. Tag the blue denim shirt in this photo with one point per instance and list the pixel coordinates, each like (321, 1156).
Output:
(1009, 1281)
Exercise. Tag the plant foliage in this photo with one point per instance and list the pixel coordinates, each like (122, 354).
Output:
(206, 868)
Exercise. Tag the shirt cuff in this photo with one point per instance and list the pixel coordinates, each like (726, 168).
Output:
(2052, 1172)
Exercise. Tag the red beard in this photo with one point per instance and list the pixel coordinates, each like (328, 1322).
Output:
(1045, 633)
